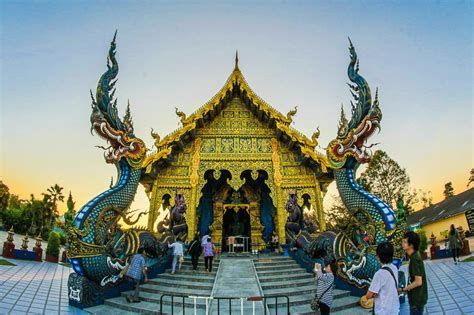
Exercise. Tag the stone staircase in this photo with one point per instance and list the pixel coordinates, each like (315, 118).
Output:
(280, 275)
(186, 281)
(277, 275)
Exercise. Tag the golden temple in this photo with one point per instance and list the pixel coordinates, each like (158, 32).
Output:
(236, 153)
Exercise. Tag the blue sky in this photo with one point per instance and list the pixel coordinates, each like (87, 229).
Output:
(419, 54)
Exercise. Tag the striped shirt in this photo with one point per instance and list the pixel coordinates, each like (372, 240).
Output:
(323, 282)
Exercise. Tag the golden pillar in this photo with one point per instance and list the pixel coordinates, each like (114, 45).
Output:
(194, 181)
(278, 179)
(320, 206)
(216, 227)
(153, 215)
(256, 226)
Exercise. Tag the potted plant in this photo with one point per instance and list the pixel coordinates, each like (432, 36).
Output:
(52, 251)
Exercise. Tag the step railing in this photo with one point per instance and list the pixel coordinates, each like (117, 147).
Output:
(224, 301)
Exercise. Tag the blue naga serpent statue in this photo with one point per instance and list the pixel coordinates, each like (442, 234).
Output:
(355, 256)
(97, 248)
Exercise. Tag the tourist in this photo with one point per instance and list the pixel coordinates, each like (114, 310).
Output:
(384, 285)
(195, 250)
(177, 255)
(134, 274)
(454, 243)
(324, 289)
(208, 249)
(417, 287)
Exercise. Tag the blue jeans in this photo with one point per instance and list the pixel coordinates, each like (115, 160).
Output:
(174, 263)
(416, 310)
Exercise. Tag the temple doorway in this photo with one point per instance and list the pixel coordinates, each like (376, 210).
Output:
(236, 222)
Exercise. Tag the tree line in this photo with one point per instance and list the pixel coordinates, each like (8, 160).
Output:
(35, 216)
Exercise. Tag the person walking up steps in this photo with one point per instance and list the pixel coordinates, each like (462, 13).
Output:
(417, 288)
(195, 251)
(134, 274)
(208, 249)
(385, 283)
(324, 290)
(454, 240)
(177, 255)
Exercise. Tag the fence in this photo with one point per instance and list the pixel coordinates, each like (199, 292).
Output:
(221, 301)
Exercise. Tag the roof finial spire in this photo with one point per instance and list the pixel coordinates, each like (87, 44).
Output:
(236, 60)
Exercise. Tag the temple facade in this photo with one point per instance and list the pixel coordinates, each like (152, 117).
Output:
(235, 160)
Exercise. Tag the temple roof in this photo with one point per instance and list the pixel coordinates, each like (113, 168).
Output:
(236, 83)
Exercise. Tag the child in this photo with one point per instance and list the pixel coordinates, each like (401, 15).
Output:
(177, 255)
(134, 274)
(324, 290)
(417, 288)
(385, 283)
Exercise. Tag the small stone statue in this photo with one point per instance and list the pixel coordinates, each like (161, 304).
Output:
(24, 245)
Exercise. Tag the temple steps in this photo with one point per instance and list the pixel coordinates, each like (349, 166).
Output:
(286, 277)
(302, 306)
(191, 272)
(277, 275)
(182, 283)
(163, 289)
(203, 277)
(122, 307)
(285, 284)
(283, 276)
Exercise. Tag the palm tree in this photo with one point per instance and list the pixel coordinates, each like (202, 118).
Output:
(54, 195)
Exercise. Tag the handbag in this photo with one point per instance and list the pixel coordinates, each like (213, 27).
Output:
(315, 301)
(181, 259)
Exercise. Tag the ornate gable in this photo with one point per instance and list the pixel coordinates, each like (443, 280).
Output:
(253, 116)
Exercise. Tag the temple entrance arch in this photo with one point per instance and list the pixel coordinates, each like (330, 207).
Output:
(236, 222)
(252, 196)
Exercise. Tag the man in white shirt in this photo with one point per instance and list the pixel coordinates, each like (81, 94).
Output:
(384, 285)
(177, 253)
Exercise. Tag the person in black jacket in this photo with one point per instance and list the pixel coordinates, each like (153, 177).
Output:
(194, 250)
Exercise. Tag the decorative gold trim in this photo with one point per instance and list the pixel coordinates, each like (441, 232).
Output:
(276, 162)
(236, 79)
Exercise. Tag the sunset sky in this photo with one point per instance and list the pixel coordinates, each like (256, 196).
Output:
(419, 54)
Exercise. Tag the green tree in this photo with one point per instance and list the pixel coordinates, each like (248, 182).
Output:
(448, 190)
(34, 209)
(337, 216)
(53, 196)
(70, 213)
(53, 244)
(15, 202)
(16, 217)
(423, 240)
(386, 179)
(4, 198)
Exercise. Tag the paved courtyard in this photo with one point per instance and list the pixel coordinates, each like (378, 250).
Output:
(34, 288)
(450, 288)
(41, 288)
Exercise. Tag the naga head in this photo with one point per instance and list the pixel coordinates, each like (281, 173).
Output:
(350, 144)
(106, 122)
